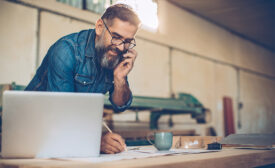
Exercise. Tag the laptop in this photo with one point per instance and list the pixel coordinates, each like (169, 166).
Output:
(51, 124)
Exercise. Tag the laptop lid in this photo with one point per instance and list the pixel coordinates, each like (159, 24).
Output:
(51, 124)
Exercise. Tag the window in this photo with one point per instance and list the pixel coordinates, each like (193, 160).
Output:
(147, 12)
(74, 3)
(96, 6)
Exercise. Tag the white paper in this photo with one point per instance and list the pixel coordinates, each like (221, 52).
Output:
(139, 152)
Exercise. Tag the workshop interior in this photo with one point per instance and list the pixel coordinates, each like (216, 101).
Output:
(204, 68)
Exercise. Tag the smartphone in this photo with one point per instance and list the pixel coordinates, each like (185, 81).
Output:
(121, 56)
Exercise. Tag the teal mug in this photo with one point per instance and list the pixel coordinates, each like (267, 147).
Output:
(163, 140)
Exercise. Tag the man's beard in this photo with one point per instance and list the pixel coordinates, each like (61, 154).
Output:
(105, 60)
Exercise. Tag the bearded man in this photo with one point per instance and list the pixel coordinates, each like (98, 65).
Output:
(96, 61)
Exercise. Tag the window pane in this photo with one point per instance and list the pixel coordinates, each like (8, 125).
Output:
(147, 11)
(97, 6)
(74, 3)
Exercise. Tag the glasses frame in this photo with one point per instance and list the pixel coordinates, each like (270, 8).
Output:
(122, 41)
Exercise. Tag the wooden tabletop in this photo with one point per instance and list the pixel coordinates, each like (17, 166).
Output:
(225, 158)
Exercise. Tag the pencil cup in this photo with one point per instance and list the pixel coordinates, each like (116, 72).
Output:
(163, 140)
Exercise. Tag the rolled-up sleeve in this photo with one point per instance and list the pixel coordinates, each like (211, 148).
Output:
(123, 107)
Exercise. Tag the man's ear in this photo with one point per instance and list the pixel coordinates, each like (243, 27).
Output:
(99, 27)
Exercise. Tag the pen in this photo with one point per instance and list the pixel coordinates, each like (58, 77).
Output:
(106, 126)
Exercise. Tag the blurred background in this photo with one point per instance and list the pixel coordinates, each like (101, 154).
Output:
(219, 53)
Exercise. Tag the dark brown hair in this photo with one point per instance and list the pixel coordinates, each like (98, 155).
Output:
(121, 11)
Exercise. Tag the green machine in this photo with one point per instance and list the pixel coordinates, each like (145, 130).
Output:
(184, 104)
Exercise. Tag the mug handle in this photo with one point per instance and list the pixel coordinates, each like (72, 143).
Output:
(150, 135)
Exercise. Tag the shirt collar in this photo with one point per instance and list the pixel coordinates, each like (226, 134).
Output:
(90, 47)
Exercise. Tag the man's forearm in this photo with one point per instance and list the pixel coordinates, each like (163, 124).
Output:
(122, 92)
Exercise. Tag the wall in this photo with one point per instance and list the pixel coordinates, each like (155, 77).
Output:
(18, 42)
(51, 30)
(210, 64)
(257, 95)
(150, 77)
(187, 54)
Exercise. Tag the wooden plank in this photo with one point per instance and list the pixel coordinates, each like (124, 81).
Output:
(226, 158)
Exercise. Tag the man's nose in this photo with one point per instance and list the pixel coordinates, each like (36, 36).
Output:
(121, 47)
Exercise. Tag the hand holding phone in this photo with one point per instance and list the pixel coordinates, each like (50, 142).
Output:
(127, 59)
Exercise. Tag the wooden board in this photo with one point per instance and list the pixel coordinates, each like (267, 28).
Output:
(236, 158)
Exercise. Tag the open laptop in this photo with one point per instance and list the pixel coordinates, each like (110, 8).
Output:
(51, 124)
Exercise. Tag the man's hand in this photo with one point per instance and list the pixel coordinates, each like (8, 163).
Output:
(122, 91)
(112, 143)
(123, 68)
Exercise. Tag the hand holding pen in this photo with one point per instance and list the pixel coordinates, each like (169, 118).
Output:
(112, 143)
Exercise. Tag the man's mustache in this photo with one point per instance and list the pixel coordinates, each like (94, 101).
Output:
(117, 51)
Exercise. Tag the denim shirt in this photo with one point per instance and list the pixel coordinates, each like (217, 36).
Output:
(71, 65)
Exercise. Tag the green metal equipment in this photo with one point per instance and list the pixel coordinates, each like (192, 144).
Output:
(184, 104)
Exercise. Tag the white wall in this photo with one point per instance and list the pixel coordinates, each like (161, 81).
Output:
(207, 65)
(53, 27)
(257, 95)
(187, 54)
(18, 43)
(150, 76)
(198, 36)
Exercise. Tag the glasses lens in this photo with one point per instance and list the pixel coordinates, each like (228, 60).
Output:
(127, 45)
(132, 45)
(116, 41)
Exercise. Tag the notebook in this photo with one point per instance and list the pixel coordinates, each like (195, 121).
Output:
(51, 124)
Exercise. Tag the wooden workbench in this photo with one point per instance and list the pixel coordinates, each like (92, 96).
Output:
(225, 158)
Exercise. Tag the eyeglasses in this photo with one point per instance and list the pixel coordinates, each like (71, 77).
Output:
(128, 44)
